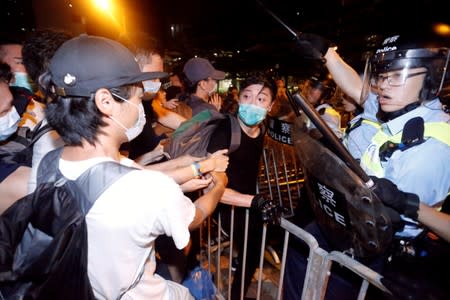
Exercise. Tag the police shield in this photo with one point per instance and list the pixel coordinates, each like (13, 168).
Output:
(352, 218)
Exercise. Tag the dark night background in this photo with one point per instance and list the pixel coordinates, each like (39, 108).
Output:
(217, 29)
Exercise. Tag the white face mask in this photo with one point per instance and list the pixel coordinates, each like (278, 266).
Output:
(213, 90)
(134, 131)
(9, 124)
(151, 88)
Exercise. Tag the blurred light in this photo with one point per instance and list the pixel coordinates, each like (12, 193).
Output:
(103, 5)
(70, 5)
(442, 28)
(115, 12)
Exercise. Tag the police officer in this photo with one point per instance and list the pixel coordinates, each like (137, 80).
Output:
(319, 92)
(411, 148)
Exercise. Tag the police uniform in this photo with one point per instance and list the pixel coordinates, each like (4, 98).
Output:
(361, 129)
(331, 117)
(422, 169)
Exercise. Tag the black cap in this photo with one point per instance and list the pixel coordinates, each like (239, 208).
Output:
(84, 64)
(198, 68)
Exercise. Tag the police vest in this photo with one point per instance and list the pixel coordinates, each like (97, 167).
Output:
(371, 157)
(351, 127)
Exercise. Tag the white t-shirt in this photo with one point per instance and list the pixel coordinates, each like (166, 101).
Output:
(122, 226)
(46, 143)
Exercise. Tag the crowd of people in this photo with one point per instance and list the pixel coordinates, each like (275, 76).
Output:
(102, 100)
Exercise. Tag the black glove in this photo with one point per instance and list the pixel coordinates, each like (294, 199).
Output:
(313, 46)
(397, 222)
(404, 203)
(269, 210)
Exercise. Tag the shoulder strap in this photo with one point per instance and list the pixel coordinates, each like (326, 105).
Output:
(48, 170)
(39, 131)
(235, 133)
(95, 180)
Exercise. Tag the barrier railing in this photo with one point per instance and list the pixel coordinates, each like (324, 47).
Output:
(281, 178)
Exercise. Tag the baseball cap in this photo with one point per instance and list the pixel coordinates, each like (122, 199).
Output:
(86, 63)
(197, 69)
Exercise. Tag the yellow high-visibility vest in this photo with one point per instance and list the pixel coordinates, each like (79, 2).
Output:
(371, 158)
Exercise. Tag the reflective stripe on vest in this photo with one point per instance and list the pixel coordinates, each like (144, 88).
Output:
(372, 123)
(370, 161)
(358, 123)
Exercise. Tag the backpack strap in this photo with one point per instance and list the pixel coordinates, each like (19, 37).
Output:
(48, 170)
(235, 140)
(95, 180)
(38, 131)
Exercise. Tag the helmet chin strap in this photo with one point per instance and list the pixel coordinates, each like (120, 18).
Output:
(387, 116)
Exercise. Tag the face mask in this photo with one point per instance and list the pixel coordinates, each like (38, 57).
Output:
(213, 90)
(9, 124)
(151, 88)
(251, 114)
(22, 80)
(134, 131)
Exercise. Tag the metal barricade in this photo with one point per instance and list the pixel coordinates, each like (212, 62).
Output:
(281, 178)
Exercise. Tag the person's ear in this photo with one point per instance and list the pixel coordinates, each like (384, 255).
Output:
(104, 101)
(202, 84)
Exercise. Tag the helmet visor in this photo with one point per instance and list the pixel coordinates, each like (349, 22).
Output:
(396, 67)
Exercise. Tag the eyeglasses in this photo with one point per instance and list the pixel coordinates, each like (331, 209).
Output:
(395, 79)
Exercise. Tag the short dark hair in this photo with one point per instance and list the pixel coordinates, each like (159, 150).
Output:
(5, 72)
(75, 118)
(6, 40)
(38, 49)
(260, 78)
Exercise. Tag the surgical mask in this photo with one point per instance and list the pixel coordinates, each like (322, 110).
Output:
(22, 80)
(134, 131)
(151, 86)
(9, 123)
(251, 114)
(213, 90)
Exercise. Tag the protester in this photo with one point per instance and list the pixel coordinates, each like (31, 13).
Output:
(101, 79)
(256, 97)
(230, 102)
(11, 53)
(13, 176)
(38, 49)
(200, 82)
(150, 59)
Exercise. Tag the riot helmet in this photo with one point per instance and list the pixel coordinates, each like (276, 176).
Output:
(326, 85)
(400, 53)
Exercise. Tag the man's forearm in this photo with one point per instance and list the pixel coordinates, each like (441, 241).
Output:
(436, 221)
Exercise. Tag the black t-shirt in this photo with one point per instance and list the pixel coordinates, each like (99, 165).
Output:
(243, 167)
